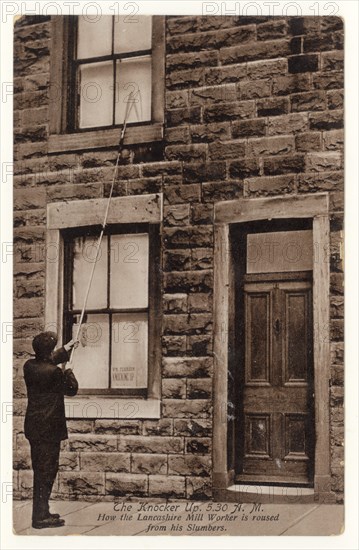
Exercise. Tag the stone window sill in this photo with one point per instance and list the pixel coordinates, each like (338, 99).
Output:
(96, 139)
(91, 406)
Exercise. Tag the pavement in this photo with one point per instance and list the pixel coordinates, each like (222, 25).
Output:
(184, 518)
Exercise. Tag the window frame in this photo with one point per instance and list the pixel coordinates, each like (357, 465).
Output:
(63, 137)
(135, 209)
(153, 258)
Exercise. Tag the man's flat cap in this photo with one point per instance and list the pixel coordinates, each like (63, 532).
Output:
(44, 343)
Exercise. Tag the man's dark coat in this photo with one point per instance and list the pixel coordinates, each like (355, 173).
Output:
(46, 386)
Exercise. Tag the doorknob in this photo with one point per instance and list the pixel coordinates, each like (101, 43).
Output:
(277, 326)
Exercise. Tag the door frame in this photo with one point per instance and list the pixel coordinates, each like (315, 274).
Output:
(239, 211)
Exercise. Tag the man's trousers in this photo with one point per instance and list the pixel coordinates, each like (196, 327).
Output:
(45, 464)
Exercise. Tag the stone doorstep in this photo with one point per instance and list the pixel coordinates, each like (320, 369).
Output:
(266, 494)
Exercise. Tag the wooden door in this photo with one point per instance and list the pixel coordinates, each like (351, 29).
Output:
(276, 395)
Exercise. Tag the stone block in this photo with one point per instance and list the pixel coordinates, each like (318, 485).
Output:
(254, 89)
(175, 303)
(126, 485)
(173, 345)
(167, 486)
(191, 408)
(198, 488)
(273, 106)
(195, 323)
(150, 444)
(189, 465)
(322, 181)
(248, 128)
(208, 133)
(202, 213)
(105, 462)
(308, 141)
(199, 172)
(303, 63)
(332, 61)
(254, 51)
(198, 445)
(276, 145)
(225, 75)
(227, 149)
(91, 443)
(180, 117)
(308, 101)
(333, 140)
(335, 99)
(187, 153)
(284, 165)
(324, 162)
(197, 427)
(187, 281)
(176, 215)
(25, 199)
(162, 426)
(21, 460)
(267, 68)
(118, 427)
(244, 168)
(69, 461)
(229, 111)
(191, 60)
(269, 185)
(173, 388)
(221, 191)
(149, 464)
(296, 122)
(199, 388)
(187, 367)
(200, 302)
(328, 120)
(202, 258)
(81, 483)
(182, 193)
(199, 345)
(275, 28)
(80, 426)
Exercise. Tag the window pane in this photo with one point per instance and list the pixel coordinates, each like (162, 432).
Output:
(94, 36)
(91, 358)
(133, 87)
(129, 271)
(280, 251)
(84, 257)
(132, 34)
(129, 350)
(96, 94)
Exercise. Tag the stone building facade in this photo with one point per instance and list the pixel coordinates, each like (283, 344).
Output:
(251, 125)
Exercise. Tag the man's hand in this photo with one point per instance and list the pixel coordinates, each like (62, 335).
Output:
(71, 344)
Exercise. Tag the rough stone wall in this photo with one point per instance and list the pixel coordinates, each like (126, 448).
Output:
(254, 107)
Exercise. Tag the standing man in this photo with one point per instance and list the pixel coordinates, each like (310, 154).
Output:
(45, 421)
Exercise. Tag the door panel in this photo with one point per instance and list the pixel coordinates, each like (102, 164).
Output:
(258, 314)
(276, 393)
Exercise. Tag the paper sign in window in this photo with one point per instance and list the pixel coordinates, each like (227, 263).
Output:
(129, 350)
